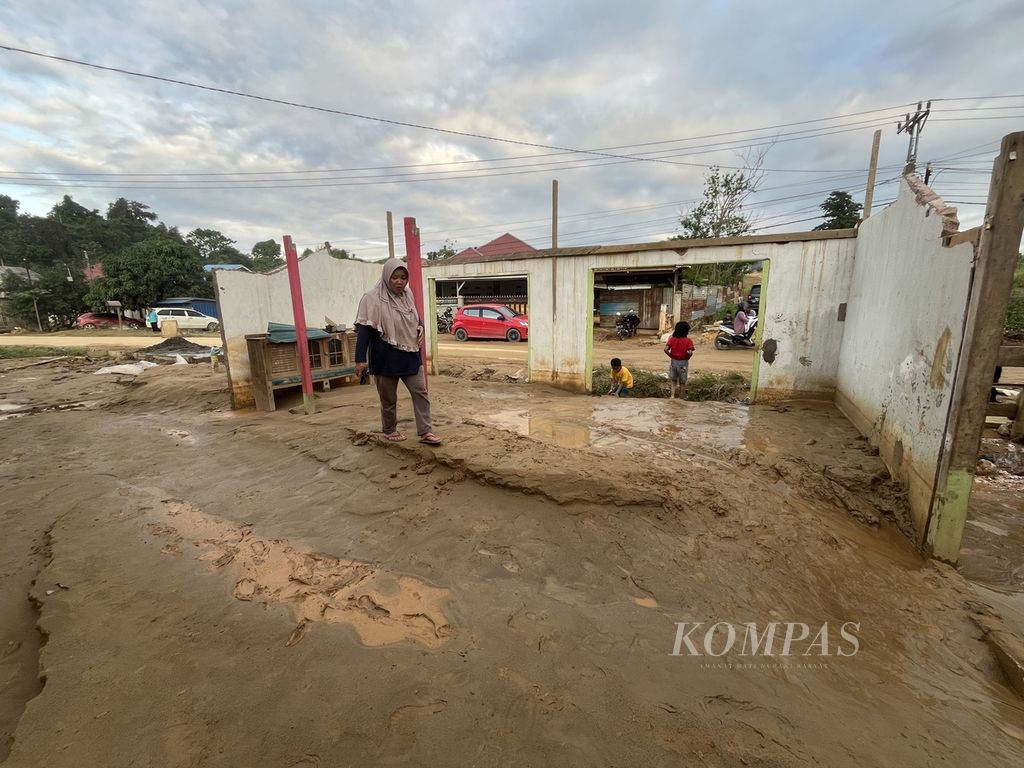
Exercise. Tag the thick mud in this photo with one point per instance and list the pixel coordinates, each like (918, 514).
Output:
(281, 589)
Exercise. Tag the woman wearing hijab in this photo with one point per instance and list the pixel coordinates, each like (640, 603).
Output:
(389, 333)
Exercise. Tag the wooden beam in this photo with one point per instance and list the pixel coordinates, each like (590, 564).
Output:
(1010, 357)
(990, 293)
(967, 236)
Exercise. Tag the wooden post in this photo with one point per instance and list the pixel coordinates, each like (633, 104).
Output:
(414, 263)
(869, 194)
(391, 238)
(554, 213)
(986, 313)
(299, 313)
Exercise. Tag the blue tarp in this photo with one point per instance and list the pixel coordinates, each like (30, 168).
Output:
(282, 333)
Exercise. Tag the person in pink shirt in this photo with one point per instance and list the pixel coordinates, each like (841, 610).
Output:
(739, 323)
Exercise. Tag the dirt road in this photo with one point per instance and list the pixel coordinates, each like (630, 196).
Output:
(221, 588)
(86, 340)
(640, 353)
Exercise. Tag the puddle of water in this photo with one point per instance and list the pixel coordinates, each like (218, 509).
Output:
(541, 426)
(656, 426)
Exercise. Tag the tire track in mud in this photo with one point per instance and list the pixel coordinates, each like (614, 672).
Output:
(381, 607)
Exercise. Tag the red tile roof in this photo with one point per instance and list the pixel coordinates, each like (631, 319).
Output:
(499, 246)
(93, 273)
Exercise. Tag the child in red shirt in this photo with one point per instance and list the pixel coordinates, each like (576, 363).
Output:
(679, 349)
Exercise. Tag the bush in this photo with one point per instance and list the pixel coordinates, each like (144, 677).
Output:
(706, 386)
(645, 383)
(715, 386)
(19, 351)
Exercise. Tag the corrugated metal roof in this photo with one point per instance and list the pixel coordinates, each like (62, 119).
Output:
(664, 245)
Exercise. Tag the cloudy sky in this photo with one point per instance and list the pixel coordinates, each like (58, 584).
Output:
(660, 89)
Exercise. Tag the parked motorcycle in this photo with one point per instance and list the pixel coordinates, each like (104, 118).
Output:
(727, 337)
(444, 321)
(626, 324)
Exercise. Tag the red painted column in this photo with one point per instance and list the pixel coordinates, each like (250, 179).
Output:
(415, 264)
(299, 313)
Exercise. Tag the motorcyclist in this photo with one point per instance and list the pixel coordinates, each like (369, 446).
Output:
(741, 324)
(627, 323)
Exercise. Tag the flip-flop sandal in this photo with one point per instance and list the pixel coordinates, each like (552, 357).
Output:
(395, 437)
(430, 439)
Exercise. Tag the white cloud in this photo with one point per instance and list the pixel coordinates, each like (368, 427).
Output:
(583, 75)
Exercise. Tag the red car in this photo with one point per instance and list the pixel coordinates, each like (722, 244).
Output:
(106, 320)
(490, 321)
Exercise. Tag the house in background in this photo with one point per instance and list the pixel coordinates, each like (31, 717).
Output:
(508, 290)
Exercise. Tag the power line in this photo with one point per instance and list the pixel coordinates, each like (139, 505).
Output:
(144, 182)
(345, 113)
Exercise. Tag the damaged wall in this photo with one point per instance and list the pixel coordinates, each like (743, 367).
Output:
(904, 328)
(801, 331)
(247, 302)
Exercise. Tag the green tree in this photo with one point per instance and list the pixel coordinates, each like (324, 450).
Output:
(10, 233)
(59, 300)
(84, 230)
(144, 273)
(128, 221)
(446, 251)
(215, 247)
(44, 242)
(338, 253)
(266, 255)
(720, 212)
(841, 212)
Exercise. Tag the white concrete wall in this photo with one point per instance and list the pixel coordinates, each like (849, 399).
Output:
(904, 327)
(807, 281)
(247, 302)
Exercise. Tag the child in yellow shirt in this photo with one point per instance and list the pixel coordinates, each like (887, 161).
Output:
(622, 379)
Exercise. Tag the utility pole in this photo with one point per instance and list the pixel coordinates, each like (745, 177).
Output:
(869, 195)
(554, 213)
(391, 237)
(912, 126)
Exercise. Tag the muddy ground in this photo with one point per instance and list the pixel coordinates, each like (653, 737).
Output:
(219, 588)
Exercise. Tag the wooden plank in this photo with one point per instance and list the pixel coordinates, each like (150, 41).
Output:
(967, 236)
(993, 279)
(991, 282)
(1011, 357)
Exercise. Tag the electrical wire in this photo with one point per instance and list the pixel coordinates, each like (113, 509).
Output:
(372, 118)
